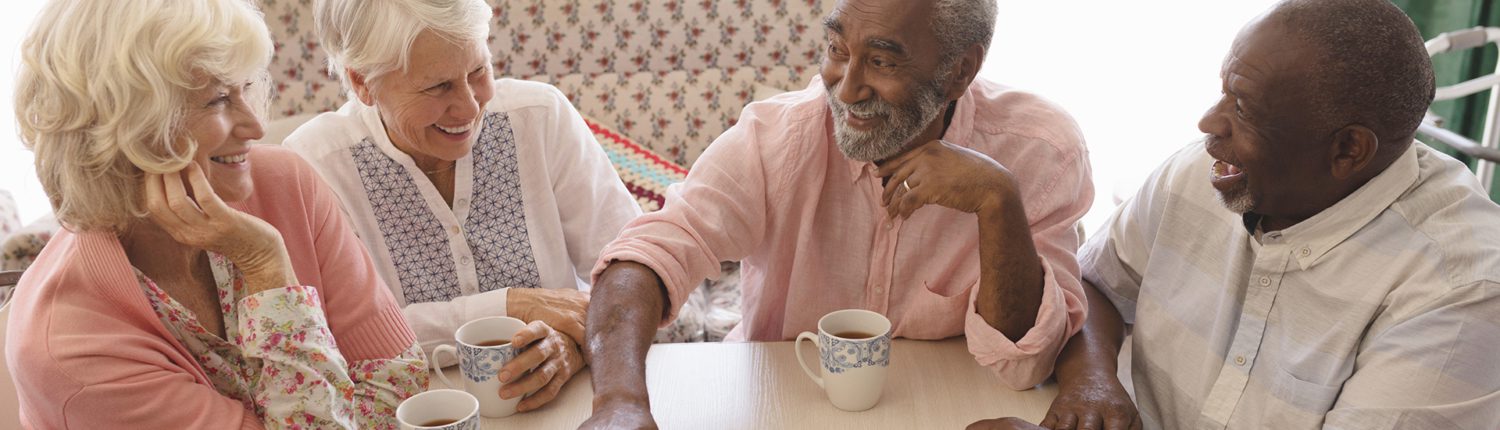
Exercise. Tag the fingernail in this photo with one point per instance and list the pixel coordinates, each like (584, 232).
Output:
(505, 376)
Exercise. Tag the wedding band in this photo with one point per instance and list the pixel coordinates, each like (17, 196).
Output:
(904, 187)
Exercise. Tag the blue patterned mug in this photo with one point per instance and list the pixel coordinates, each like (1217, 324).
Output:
(439, 410)
(854, 347)
(483, 347)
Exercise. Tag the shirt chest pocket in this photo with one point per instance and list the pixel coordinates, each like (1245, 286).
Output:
(934, 312)
(1300, 403)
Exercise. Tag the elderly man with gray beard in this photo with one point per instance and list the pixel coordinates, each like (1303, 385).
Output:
(896, 182)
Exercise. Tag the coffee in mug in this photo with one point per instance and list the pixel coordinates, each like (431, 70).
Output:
(439, 410)
(854, 350)
(483, 348)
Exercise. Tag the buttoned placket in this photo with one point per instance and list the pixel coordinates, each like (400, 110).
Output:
(453, 222)
(1262, 285)
(882, 252)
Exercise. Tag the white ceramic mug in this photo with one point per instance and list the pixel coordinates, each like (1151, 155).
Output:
(854, 346)
(480, 359)
(439, 410)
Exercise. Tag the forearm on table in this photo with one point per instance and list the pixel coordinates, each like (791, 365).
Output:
(1094, 351)
(1010, 274)
(627, 305)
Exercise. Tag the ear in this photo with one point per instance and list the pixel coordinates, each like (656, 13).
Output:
(965, 69)
(1353, 149)
(361, 87)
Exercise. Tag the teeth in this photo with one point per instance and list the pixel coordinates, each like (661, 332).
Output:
(230, 159)
(455, 130)
(1223, 169)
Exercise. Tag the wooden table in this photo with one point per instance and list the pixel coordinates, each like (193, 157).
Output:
(932, 384)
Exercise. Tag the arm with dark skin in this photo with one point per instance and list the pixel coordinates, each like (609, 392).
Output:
(628, 303)
(941, 173)
(1089, 392)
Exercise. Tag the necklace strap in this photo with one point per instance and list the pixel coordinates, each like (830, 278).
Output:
(441, 170)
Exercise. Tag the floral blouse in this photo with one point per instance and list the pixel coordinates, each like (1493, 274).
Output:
(280, 360)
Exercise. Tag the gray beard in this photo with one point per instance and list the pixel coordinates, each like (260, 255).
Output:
(1238, 200)
(901, 125)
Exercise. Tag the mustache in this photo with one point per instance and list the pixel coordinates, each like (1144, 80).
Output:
(873, 106)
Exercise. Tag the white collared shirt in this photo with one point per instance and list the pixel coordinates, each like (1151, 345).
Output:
(533, 203)
(1380, 312)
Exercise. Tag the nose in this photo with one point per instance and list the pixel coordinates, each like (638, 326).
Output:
(1214, 122)
(468, 101)
(850, 85)
(249, 127)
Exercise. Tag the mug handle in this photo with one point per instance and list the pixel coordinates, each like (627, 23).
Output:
(798, 350)
(438, 370)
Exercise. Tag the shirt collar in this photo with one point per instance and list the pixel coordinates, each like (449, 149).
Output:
(958, 131)
(1321, 233)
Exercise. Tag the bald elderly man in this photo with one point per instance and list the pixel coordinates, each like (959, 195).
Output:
(1307, 265)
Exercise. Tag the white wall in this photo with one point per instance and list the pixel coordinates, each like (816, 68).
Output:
(1135, 74)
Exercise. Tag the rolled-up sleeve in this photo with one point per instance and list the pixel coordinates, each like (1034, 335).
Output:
(717, 214)
(1054, 204)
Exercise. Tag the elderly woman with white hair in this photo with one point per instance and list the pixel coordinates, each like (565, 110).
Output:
(476, 197)
(199, 281)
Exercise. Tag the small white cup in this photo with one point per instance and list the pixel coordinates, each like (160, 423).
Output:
(853, 365)
(480, 364)
(439, 410)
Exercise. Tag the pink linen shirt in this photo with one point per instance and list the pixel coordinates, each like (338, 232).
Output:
(775, 192)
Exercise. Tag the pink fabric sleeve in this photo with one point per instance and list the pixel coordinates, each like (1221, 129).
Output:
(364, 317)
(1057, 205)
(719, 213)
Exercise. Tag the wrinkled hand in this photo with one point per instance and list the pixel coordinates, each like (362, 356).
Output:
(547, 360)
(1008, 423)
(944, 174)
(203, 221)
(620, 414)
(562, 309)
(1098, 403)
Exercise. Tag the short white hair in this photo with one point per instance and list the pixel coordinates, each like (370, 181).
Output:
(103, 89)
(959, 24)
(374, 37)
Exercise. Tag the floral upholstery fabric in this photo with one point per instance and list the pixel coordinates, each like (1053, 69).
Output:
(10, 217)
(670, 74)
(675, 114)
(22, 246)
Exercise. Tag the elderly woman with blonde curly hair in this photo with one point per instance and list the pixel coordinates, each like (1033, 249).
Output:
(199, 281)
(477, 197)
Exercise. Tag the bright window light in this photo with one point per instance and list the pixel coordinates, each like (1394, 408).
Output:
(1136, 75)
(17, 174)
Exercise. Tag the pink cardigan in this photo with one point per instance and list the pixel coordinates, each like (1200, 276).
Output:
(87, 351)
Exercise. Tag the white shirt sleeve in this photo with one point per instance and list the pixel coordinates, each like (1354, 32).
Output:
(435, 322)
(591, 200)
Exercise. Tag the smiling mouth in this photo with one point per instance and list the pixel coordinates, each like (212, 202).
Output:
(1223, 170)
(230, 159)
(454, 131)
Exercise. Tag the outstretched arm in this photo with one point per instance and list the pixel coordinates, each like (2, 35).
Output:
(628, 304)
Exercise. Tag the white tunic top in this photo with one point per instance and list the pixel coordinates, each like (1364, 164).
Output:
(533, 203)
(1380, 312)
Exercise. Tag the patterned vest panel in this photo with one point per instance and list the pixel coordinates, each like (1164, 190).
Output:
(495, 228)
